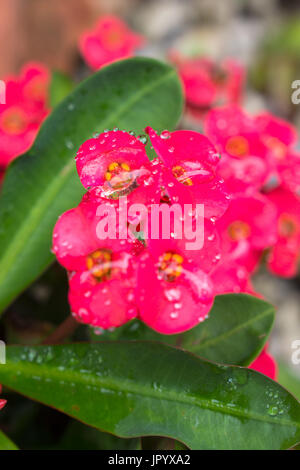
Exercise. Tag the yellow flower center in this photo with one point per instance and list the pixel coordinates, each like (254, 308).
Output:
(287, 225)
(239, 230)
(118, 175)
(170, 266)
(99, 263)
(14, 121)
(181, 175)
(237, 146)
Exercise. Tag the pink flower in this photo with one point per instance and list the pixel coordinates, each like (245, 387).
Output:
(2, 402)
(208, 84)
(289, 172)
(116, 162)
(110, 40)
(246, 163)
(278, 135)
(25, 109)
(102, 271)
(189, 176)
(180, 279)
(265, 364)
(284, 256)
(231, 278)
(246, 229)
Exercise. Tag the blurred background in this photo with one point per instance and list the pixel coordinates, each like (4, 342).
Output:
(263, 35)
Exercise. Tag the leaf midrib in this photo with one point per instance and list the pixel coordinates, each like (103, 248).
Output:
(229, 333)
(28, 227)
(77, 377)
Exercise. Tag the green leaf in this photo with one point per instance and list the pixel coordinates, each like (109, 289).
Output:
(42, 184)
(135, 388)
(288, 379)
(60, 87)
(235, 332)
(81, 437)
(6, 443)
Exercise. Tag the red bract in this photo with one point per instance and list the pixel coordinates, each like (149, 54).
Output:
(180, 278)
(207, 84)
(102, 271)
(190, 170)
(247, 228)
(289, 172)
(116, 162)
(265, 364)
(246, 163)
(277, 134)
(231, 278)
(284, 256)
(2, 402)
(110, 40)
(25, 109)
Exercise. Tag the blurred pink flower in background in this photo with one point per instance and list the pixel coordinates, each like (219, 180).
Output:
(25, 109)
(208, 83)
(284, 257)
(110, 40)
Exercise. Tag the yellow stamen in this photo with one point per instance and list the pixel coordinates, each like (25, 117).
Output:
(113, 166)
(99, 264)
(170, 266)
(125, 166)
(180, 174)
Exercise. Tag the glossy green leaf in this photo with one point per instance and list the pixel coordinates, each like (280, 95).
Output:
(134, 388)
(81, 437)
(6, 443)
(235, 332)
(42, 184)
(288, 379)
(60, 86)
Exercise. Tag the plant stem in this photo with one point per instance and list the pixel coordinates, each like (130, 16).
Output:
(63, 331)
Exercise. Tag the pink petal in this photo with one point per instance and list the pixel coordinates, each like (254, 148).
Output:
(176, 306)
(106, 304)
(95, 155)
(265, 364)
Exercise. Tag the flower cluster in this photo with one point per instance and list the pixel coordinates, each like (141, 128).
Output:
(207, 83)
(112, 278)
(26, 106)
(110, 40)
(261, 168)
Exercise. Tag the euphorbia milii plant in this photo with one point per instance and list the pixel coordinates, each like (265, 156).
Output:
(113, 165)
(155, 325)
(25, 109)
